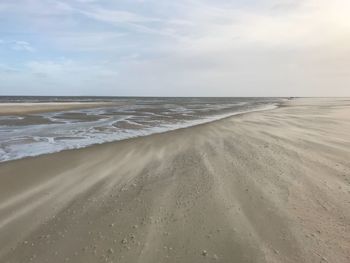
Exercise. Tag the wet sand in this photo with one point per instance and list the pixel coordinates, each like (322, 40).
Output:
(271, 186)
(26, 108)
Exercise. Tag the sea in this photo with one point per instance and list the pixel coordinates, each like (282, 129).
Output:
(33, 134)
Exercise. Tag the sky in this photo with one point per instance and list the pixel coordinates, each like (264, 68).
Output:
(175, 48)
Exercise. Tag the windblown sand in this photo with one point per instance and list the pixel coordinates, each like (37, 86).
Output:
(270, 186)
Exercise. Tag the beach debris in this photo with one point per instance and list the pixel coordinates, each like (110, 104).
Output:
(124, 241)
(111, 225)
(110, 251)
(275, 251)
(204, 253)
(135, 226)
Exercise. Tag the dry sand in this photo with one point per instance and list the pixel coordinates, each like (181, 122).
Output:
(26, 108)
(269, 186)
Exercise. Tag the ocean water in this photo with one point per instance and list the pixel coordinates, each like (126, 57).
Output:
(34, 134)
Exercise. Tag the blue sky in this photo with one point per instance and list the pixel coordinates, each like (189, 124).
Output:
(175, 48)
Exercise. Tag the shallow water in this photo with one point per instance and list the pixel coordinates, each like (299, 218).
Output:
(40, 133)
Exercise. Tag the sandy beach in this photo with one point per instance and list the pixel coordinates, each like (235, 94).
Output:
(269, 186)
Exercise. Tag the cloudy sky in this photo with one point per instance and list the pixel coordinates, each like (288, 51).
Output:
(175, 48)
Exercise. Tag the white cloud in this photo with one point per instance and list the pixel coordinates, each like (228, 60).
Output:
(22, 46)
(17, 45)
(89, 42)
(117, 16)
(67, 67)
(310, 23)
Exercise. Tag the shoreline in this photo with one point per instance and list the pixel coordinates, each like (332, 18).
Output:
(190, 125)
(268, 186)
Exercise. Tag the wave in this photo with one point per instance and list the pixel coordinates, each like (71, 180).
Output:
(57, 131)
